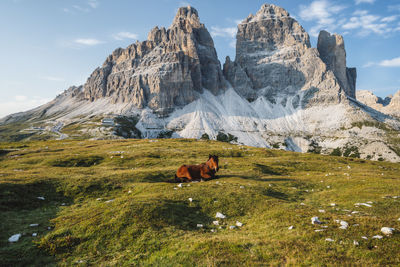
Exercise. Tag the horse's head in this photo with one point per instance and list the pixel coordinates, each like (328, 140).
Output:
(213, 162)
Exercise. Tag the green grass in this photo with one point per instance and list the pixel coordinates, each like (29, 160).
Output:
(148, 222)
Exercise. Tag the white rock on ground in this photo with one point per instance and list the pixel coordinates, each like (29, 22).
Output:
(329, 239)
(387, 230)
(216, 222)
(41, 198)
(190, 199)
(220, 215)
(333, 204)
(355, 243)
(199, 225)
(239, 224)
(321, 211)
(377, 237)
(290, 227)
(363, 204)
(343, 224)
(14, 238)
(179, 185)
(315, 220)
(34, 234)
(232, 227)
(319, 230)
(34, 224)
(364, 237)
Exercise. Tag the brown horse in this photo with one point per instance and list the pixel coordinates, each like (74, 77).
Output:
(198, 172)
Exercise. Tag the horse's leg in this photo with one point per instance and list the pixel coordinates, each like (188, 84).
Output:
(204, 174)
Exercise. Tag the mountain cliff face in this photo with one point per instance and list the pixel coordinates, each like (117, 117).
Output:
(166, 71)
(278, 92)
(389, 105)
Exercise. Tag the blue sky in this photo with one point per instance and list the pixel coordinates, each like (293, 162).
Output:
(48, 45)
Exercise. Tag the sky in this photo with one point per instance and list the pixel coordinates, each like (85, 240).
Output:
(48, 45)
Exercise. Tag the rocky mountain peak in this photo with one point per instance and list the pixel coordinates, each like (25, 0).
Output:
(187, 15)
(268, 11)
(332, 52)
(167, 70)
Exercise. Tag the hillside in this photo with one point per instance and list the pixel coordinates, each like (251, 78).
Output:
(108, 203)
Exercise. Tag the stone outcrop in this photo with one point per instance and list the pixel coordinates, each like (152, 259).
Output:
(389, 105)
(167, 70)
(274, 59)
(332, 52)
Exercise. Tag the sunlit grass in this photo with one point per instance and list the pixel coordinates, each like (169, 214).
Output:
(112, 203)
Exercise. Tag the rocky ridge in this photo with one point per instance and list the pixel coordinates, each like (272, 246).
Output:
(389, 105)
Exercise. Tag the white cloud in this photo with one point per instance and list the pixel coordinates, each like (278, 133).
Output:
(93, 3)
(323, 12)
(366, 23)
(364, 1)
(85, 8)
(125, 35)
(229, 32)
(389, 18)
(368, 64)
(53, 79)
(394, 62)
(21, 103)
(238, 21)
(87, 41)
(80, 8)
(232, 43)
(20, 98)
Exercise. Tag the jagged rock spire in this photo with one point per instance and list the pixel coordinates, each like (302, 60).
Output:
(168, 70)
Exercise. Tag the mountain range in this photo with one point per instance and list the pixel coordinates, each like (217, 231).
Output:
(278, 92)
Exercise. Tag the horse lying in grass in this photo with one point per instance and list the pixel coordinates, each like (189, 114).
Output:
(198, 172)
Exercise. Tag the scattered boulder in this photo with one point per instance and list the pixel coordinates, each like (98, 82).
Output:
(363, 204)
(220, 215)
(387, 230)
(14, 238)
(315, 220)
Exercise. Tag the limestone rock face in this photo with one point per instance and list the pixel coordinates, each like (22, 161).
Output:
(274, 59)
(389, 105)
(332, 52)
(166, 71)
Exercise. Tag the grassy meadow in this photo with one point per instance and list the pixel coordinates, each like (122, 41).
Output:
(111, 203)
